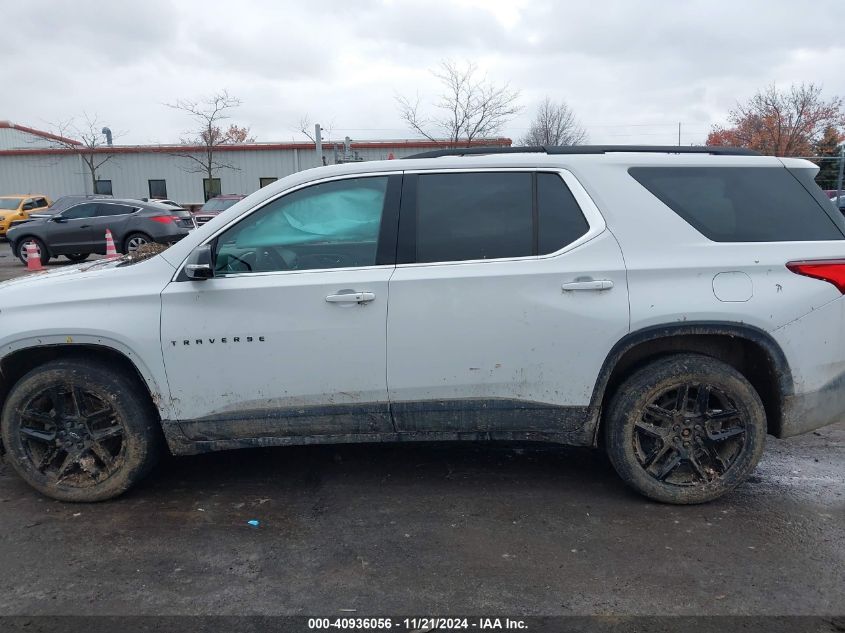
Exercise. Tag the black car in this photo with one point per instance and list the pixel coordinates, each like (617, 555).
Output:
(80, 229)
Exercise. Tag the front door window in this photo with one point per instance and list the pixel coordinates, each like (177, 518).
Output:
(330, 225)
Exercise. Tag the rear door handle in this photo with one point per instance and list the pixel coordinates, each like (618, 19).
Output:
(592, 284)
(351, 296)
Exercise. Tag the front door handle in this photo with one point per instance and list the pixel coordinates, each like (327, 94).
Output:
(592, 284)
(351, 296)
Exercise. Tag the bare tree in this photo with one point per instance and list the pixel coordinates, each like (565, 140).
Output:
(85, 138)
(470, 107)
(208, 114)
(306, 128)
(554, 124)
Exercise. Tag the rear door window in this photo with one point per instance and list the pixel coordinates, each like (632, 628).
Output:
(105, 209)
(741, 204)
(494, 215)
(474, 216)
(559, 218)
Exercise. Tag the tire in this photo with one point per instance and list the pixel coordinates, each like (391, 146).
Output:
(78, 257)
(712, 447)
(134, 240)
(86, 453)
(20, 249)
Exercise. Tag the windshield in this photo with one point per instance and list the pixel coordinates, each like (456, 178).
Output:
(217, 204)
(9, 203)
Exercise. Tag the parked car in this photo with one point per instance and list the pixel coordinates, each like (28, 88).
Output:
(164, 201)
(59, 205)
(80, 229)
(14, 208)
(678, 303)
(215, 206)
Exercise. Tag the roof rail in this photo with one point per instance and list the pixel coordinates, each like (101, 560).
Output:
(589, 149)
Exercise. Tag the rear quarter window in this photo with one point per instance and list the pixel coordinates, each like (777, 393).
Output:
(741, 204)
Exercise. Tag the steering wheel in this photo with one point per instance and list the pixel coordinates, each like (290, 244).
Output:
(268, 258)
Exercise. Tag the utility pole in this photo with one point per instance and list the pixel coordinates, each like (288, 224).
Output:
(839, 178)
(318, 141)
(679, 133)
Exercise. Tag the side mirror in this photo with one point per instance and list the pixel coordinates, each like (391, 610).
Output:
(58, 218)
(200, 263)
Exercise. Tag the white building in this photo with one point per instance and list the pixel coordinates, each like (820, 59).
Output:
(32, 161)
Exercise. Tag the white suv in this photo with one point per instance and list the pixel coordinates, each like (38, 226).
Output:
(672, 304)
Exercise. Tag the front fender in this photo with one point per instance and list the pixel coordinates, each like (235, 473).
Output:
(153, 377)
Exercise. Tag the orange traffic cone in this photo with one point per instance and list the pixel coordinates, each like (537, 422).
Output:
(33, 257)
(111, 251)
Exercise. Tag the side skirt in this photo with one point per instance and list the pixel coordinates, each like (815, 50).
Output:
(180, 445)
(455, 420)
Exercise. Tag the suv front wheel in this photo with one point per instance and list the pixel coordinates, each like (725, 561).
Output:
(40, 250)
(80, 431)
(685, 429)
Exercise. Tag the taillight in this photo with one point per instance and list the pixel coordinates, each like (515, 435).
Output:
(163, 219)
(830, 270)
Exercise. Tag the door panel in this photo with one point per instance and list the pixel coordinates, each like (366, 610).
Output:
(289, 337)
(462, 335)
(114, 217)
(268, 355)
(74, 234)
(502, 344)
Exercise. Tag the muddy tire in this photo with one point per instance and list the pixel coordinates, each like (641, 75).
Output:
(685, 429)
(80, 431)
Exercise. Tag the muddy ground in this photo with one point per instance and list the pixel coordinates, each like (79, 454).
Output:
(429, 530)
(11, 266)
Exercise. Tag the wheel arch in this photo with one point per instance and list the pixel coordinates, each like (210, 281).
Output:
(750, 350)
(21, 358)
(14, 243)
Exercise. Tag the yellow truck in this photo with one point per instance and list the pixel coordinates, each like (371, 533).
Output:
(15, 208)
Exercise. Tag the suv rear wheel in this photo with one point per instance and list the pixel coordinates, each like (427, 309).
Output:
(685, 428)
(136, 241)
(78, 431)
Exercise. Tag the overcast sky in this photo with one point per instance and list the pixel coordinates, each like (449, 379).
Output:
(630, 69)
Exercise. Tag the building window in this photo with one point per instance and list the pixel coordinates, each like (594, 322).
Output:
(158, 189)
(103, 187)
(211, 188)
(263, 182)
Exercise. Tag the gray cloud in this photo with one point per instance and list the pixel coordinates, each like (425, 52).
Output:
(630, 69)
